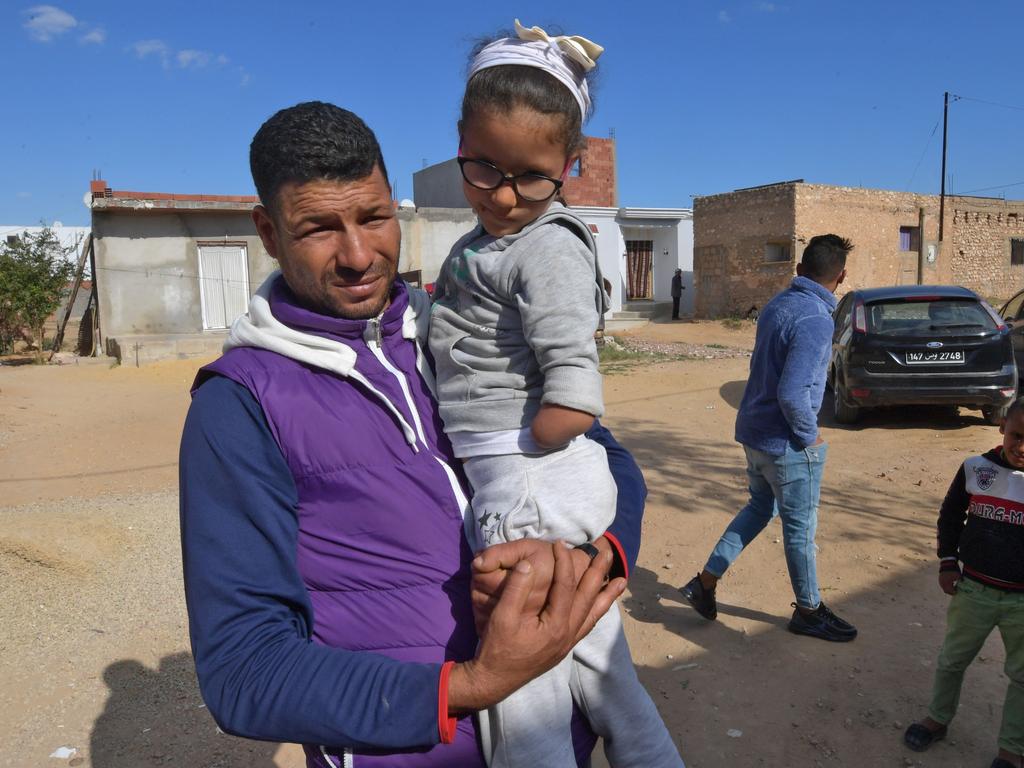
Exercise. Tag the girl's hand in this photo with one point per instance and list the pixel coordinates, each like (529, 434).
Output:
(517, 645)
(492, 567)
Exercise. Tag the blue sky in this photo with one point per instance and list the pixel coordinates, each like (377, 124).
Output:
(703, 97)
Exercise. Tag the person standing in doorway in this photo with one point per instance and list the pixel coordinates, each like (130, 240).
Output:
(677, 292)
(777, 425)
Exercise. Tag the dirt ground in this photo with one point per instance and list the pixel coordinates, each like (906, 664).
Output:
(94, 654)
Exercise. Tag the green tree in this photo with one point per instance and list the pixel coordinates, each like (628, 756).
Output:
(34, 273)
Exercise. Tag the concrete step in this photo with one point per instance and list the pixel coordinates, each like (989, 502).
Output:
(138, 350)
(648, 308)
(614, 324)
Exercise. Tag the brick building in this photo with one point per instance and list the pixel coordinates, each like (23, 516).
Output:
(593, 180)
(747, 242)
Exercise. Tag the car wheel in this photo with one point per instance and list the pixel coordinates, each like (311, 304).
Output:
(844, 412)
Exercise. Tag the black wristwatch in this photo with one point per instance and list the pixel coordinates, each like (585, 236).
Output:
(589, 548)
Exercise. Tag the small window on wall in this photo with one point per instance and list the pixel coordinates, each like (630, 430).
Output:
(1016, 252)
(776, 252)
(910, 238)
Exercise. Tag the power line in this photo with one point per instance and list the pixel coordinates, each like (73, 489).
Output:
(182, 275)
(923, 152)
(997, 186)
(990, 103)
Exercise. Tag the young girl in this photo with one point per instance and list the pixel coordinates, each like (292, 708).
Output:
(512, 335)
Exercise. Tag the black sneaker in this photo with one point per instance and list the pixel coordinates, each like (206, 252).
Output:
(823, 624)
(703, 600)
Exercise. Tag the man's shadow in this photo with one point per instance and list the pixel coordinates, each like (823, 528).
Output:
(654, 601)
(156, 717)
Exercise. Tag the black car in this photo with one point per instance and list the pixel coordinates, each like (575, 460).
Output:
(920, 345)
(1013, 315)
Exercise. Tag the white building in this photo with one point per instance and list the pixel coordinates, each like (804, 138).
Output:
(72, 239)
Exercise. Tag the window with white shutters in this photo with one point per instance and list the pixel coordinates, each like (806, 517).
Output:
(223, 284)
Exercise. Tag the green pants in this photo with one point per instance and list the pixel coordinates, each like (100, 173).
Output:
(973, 613)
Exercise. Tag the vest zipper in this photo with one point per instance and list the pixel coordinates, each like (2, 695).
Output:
(374, 340)
(375, 343)
(347, 759)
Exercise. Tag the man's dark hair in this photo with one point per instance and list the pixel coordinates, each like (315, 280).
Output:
(309, 142)
(825, 257)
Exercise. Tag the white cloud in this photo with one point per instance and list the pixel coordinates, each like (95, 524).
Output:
(45, 22)
(245, 77)
(145, 48)
(184, 58)
(724, 17)
(95, 36)
(190, 58)
(767, 7)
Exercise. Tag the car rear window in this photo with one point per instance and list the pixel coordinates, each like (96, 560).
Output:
(900, 317)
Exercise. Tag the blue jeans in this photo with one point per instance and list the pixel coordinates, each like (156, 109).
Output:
(788, 486)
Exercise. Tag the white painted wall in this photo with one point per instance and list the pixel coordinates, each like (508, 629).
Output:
(429, 233)
(610, 248)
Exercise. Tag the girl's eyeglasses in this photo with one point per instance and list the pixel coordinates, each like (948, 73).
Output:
(532, 187)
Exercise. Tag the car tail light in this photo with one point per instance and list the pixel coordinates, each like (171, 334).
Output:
(860, 392)
(860, 320)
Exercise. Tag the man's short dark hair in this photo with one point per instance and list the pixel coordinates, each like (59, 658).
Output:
(309, 142)
(825, 257)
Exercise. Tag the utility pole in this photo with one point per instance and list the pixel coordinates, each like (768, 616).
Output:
(942, 192)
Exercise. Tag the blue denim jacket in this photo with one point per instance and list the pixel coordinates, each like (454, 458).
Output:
(787, 370)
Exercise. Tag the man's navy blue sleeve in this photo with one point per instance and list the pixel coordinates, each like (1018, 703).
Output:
(624, 532)
(250, 618)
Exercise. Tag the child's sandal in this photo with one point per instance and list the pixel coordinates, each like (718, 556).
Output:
(919, 737)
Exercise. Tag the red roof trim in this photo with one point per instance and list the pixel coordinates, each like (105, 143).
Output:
(126, 195)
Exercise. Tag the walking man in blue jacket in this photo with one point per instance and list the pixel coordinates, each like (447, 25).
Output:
(777, 425)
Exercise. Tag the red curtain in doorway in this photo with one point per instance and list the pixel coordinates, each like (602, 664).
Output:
(639, 257)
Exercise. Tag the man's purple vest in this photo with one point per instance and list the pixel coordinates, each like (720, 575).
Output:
(380, 548)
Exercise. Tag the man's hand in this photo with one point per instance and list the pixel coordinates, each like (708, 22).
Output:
(493, 566)
(948, 581)
(515, 646)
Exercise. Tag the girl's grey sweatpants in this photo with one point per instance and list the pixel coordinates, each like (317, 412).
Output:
(566, 494)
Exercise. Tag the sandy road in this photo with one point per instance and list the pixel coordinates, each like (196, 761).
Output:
(95, 649)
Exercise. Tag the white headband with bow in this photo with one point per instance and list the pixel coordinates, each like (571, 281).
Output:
(567, 57)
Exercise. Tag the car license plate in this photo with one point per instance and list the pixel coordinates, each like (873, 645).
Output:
(944, 357)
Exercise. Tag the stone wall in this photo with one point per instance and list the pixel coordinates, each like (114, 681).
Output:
(981, 231)
(872, 218)
(730, 232)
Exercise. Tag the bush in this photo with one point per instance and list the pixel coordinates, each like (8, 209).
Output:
(34, 273)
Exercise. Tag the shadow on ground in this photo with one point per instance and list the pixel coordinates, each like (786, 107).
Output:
(155, 717)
